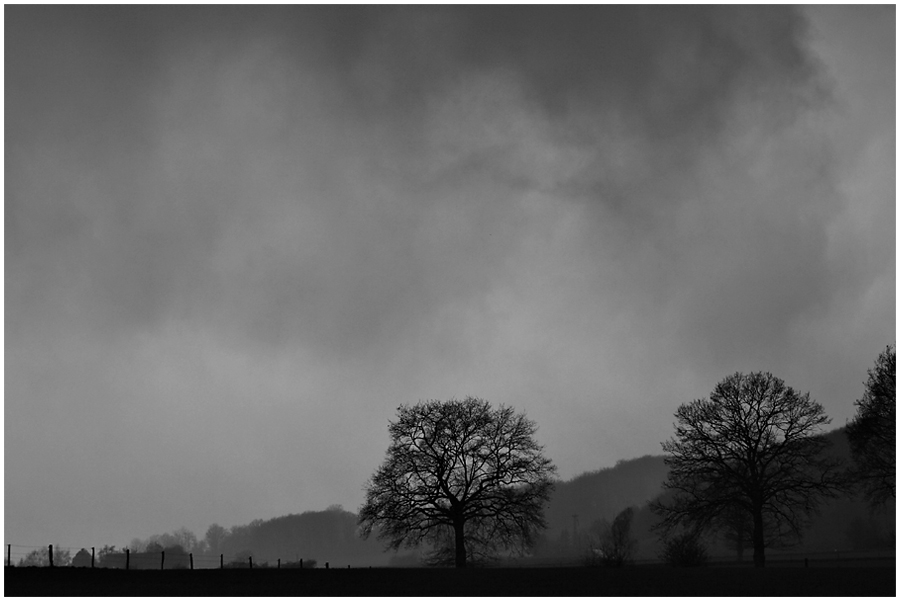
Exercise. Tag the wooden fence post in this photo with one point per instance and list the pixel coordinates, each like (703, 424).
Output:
(162, 560)
(279, 563)
(221, 561)
(251, 562)
(326, 565)
(301, 563)
(51, 555)
(92, 557)
(8, 555)
(127, 558)
(191, 555)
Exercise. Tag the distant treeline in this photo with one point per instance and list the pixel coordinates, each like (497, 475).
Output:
(329, 535)
(313, 536)
(584, 506)
(579, 511)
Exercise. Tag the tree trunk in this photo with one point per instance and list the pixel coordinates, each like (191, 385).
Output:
(459, 530)
(759, 542)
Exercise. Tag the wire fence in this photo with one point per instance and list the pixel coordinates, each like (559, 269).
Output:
(18, 555)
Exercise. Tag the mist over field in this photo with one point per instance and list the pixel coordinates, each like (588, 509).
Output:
(238, 238)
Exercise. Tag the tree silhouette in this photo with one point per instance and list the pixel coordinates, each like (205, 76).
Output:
(616, 544)
(108, 556)
(214, 537)
(40, 557)
(154, 548)
(873, 432)
(685, 549)
(754, 448)
(737, 529)
(460, 467)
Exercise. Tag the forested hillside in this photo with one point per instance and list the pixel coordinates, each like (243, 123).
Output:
(582, 507)
(326, 536)
(848, 522)
(579, 511)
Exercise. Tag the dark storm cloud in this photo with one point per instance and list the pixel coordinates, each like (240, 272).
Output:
(145, 234)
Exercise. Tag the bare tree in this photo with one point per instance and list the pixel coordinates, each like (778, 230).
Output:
(737, 529)
(40, 557)
(464, 467)
(214, 537)
(685, 549)
(753, 447)
(480, 548)
(616, 545)
(873, 432)
(106, 556)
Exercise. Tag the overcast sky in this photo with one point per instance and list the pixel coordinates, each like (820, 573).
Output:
(237, 239)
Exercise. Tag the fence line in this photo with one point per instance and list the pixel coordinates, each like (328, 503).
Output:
(65, 556)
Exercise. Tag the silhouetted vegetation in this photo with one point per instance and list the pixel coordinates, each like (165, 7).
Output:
(595, 498)
(684, 549)
(329, 535)
(103, 553)
(842, 523)
(580, 509)
(40, 557)
(459, 472)
(615, 546)
(181, 540)
(873, 432)
(752, 451)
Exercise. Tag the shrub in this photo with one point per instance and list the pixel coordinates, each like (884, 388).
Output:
(616, 546)
(41, 557)
(593, 557)
(684, 550)
(308, 563)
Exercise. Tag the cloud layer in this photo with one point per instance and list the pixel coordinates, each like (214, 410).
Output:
(238, 238)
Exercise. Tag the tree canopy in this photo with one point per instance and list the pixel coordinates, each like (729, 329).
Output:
(873, 431)
(40, 557)
(753, 448)
(459, 472)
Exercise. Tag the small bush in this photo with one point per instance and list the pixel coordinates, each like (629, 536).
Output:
(308, 563)
(616, 546)
(684, 550)
(603, 556)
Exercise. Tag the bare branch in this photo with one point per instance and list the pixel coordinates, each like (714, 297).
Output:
(459, 467)
(751, 452)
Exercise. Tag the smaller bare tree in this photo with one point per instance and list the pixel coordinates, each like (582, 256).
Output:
(616, 545)
(40, 557)
(737, 530)
(685, 549)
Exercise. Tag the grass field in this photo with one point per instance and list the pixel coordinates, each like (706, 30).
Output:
(572, 581)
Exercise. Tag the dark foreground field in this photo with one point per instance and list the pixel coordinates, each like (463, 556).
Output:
(571, 581)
